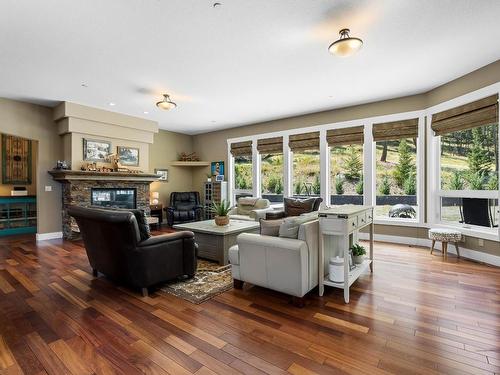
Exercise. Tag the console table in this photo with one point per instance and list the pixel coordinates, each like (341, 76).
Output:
(339, 228)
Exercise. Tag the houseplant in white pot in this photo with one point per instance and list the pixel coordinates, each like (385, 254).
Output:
(358, 253)
(220, 210)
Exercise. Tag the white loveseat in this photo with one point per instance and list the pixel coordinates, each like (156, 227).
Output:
(283, 264)
(250, 209)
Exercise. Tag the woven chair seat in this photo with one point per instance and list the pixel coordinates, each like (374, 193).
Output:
(445, 235)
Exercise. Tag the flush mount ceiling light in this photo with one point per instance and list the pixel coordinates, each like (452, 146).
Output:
(166, 103)
(345, 45)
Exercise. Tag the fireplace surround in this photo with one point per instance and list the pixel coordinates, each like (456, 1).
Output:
(77, 187)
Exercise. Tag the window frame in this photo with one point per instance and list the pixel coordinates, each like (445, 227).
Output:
(434, 190)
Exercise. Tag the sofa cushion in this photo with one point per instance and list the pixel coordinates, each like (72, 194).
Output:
(297, 207)
(270, 227)
(290, 226)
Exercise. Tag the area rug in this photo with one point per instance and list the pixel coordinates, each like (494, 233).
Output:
(210, 280)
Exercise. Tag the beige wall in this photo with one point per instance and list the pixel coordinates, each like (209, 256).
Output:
(165, 149)
(6, 189)
(76, 122)
(213, 146)
(35, 122)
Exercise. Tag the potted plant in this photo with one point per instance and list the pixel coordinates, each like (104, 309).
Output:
(358, 253)
(221, 210)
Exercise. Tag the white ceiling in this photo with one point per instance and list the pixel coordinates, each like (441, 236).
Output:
(238, 63)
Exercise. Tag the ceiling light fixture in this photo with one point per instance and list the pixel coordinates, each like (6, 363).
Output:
(166, 103)
(112, 104)
(146, 112)
(346, 45)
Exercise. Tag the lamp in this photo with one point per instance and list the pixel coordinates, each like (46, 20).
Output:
(345, 45)
(166, 103)
(155, 196)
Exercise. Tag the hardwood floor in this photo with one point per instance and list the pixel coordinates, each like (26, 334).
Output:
(415, 315)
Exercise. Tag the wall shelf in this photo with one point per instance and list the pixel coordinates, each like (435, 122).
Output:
(190, 163)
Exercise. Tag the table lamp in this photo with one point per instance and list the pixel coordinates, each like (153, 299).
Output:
(155, 196)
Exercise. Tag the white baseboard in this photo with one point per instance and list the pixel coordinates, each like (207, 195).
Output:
(48, 236)
(475, 255)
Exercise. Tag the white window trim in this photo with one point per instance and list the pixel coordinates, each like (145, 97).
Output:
(434, 171)
(429, 190)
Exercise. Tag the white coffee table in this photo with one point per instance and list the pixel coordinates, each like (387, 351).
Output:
(214, 241)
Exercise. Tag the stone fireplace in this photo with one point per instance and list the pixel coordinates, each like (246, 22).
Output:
(77, 187)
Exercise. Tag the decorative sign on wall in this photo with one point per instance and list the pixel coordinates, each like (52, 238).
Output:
(16, 160)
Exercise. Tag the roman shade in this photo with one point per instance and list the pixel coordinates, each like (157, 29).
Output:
(302, 142)
(390, 131)
(270, 145)
(345, 136)
(479, 113)
(241, 148)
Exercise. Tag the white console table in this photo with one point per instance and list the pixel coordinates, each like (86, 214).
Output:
(338, 230)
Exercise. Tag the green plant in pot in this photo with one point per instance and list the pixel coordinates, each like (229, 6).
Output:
(220, 210)
(358, 253)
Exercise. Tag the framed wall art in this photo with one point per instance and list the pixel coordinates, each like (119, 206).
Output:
(162, 173)
(94, 150)
(128, 156)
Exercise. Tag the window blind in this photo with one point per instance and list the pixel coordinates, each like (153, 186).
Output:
(471, 115)
(241, 148)
(345, 136)
(302, 142)
(389, 131)
(270, 145)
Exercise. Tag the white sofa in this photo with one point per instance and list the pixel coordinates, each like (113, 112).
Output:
(250, 209)
(283, 264)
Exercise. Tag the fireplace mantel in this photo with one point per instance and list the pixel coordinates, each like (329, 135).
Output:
(70, 175)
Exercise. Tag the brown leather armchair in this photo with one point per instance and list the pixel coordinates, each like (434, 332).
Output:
(116, 248)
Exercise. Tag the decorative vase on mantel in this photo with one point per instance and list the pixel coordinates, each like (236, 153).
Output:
(221, 220)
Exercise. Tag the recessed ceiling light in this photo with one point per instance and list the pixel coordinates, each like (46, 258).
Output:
(346, 45)
(112, 104)
(213, 121)
(146, 112)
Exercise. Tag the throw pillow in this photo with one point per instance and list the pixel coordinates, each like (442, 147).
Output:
(270, 227)
(297, 207)
(290, 226)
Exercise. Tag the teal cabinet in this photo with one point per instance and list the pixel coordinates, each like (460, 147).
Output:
(17, 215)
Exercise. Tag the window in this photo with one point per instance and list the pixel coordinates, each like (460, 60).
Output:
(468, 164)
(271, 167)
(243, 181)
(346, 165)
(306, 164)
(396, 170)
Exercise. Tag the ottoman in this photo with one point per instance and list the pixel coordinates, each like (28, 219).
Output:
(445, 235)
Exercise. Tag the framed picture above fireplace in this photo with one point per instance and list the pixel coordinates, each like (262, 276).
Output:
(128, 156)
(94, 150)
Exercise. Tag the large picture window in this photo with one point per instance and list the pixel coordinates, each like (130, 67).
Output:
(271, 168)
(306, 164)
(468, 163)
(396, 169)
(243, 169)
(346, 165)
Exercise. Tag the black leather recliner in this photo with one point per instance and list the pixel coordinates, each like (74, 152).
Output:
(114, 247)
(184, 207)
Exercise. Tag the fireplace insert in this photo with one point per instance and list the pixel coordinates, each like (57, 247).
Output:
(114, 197)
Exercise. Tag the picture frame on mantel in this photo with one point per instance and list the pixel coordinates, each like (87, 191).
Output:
(95, 150)
(128, 156)
(162, 173)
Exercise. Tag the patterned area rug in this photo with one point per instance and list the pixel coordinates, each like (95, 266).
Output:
(210, 280)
